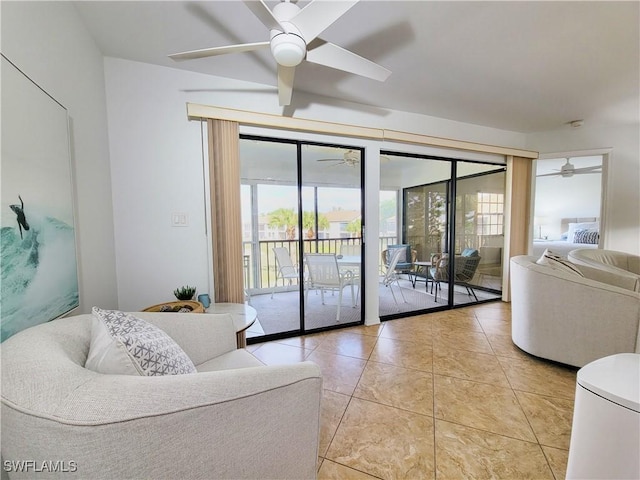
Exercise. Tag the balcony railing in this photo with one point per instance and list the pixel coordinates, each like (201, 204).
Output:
(260, 267)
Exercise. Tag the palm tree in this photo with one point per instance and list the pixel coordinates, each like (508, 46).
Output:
(287, 218)
(309, 223)
(355, 228)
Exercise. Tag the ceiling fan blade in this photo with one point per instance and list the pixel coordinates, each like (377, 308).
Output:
(592, 169)
(330, 160)
(262, 12)
(550, 174)
(285, 84)
(212, 52)
(331, 55)
(318, 15)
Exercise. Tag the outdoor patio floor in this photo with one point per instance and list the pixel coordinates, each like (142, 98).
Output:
(282, 313)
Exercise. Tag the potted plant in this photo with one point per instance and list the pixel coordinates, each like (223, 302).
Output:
(185, 292)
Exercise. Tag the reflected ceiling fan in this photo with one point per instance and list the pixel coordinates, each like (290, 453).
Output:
(350, 158)
(569, 170)
(294, 38)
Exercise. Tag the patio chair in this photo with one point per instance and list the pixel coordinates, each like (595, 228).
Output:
(405, 262)
(465, 268)
(391, 275)
(286, 269)
(324, 274)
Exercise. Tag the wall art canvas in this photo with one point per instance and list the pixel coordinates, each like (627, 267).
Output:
(37, 229)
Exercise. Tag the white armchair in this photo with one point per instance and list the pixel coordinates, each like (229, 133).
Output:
(572, 319)
(235, 418)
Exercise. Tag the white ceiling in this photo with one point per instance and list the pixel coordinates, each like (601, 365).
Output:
(521, 66)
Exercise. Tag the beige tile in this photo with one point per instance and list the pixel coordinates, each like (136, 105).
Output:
(397, 387)
(373, 330)
(333, 408)
(557, 460)
(495, 326)
(502, 345)
(479, 405)
(279, 354)
(530, 374)
(450, 364)
(549, 417)
(455, 319)
(412, 329)
(403, 354)
(457, 339)
(339, 373)
(334, 471)
(385, 442)
(308, 342)
(479, 367)
(349, 344)
(463, 452)
(493, 308)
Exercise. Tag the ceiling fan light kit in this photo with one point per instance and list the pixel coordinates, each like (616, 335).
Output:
(292, 31)
(288, 49)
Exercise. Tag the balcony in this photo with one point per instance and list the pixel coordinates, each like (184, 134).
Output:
(281, 313)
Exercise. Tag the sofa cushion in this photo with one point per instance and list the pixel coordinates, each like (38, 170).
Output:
(558, 263)
(239, 358)
(122, 344)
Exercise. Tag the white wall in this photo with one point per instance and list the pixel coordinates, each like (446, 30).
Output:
(157, 165)
(622, 215)
(48, 42)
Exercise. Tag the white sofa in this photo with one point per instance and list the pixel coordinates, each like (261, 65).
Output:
(570, 319)
(235, 418)
(624, 264)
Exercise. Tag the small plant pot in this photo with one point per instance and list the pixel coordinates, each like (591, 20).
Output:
(185, 293)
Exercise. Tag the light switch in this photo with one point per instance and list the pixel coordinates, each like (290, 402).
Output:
(179, 219)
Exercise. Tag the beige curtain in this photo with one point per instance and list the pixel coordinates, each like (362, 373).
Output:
(519, 178)
(226, 224)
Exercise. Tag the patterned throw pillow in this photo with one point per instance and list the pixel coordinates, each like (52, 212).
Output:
(586, 236)
(558, 263)
(122, 344)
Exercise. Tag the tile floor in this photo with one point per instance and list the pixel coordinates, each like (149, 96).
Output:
(444, 395)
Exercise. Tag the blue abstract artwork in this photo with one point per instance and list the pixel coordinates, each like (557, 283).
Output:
(38, 262)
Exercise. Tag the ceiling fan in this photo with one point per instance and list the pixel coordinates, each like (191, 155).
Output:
(294, 37)
(350, 158)
(569, 170)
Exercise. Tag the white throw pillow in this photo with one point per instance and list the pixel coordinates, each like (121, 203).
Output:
(122, 344)
(558, 263)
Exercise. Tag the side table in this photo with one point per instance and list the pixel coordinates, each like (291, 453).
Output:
(243, 317)
(424, 266)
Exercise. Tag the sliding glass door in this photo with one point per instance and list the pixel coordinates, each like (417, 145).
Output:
(298, 199)
(332, 217)
(452, 218)
(479, 232)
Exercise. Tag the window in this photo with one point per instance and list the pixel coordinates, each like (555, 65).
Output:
(490, 216)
